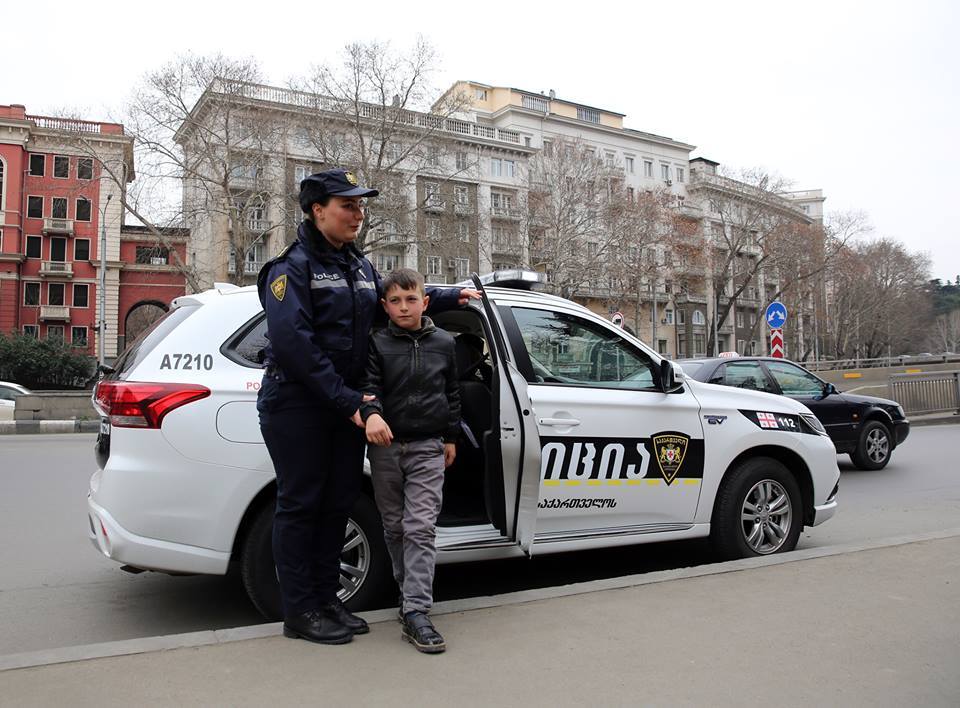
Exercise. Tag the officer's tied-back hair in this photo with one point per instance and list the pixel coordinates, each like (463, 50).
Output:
(403, 278)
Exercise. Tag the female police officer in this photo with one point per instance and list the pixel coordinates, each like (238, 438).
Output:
(321, 297)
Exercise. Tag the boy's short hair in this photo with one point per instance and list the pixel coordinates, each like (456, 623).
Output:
(405, 279)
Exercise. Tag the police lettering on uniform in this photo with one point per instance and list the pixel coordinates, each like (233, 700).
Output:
(321, 298)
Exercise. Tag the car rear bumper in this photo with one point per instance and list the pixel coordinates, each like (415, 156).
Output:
(122, 546)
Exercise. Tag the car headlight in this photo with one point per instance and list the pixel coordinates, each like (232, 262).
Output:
(813, 422)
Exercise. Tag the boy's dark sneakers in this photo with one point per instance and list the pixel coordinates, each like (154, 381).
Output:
(419, 631)
(317, 626)
(339, 611)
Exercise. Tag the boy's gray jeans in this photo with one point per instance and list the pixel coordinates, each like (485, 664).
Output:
(408, 486)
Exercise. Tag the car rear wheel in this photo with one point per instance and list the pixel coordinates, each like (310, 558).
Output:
(758, 511)
(874, 447)
(365, 574)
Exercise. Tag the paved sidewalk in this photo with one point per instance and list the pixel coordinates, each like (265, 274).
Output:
(877, 627)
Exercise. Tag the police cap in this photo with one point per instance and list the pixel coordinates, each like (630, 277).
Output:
(333, 183)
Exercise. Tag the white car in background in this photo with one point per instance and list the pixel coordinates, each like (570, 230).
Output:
(9, 393)
(580, 437)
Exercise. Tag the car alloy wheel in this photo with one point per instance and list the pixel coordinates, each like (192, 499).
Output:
(878, 445)
(766, 517)
(354, 561)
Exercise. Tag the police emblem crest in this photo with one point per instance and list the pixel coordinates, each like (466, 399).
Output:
(279, 287)
(351, 178)
(670, 449)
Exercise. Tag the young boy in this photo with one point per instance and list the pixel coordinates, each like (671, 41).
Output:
(412, 424)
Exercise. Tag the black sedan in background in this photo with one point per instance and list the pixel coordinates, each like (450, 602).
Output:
(865, 427)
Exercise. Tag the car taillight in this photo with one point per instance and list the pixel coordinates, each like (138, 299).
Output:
(143, 405)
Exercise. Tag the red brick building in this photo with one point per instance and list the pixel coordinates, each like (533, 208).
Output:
(54, 191)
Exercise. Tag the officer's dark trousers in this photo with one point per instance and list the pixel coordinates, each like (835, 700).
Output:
(318, 458)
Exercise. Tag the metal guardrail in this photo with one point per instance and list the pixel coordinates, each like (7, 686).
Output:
(927, 393)
(880, 362)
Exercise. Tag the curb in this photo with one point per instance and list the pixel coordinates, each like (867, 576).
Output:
(143, 645)
(36, 427)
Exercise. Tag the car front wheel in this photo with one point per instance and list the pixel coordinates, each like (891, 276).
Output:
(365, 573)
(874, 447)
(757, 511)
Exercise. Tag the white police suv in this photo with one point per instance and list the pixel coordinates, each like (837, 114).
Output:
(576, 436)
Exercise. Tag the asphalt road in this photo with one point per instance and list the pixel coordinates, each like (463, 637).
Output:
(56, 590)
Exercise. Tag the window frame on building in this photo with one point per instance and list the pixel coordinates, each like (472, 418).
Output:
(88, 162)
(462, 266)
(76, 207)
(32, 238)
(80, 287)
(54, 202)
(43, 164)
(29, 285)
(53, 328)
(31, 330)
(58, 160)
(31, 201)
(681, 174)
(434, 265)
(628, 165)
(74, 329)
(648, 169)
(51, 288)
(76, 242)
(665, 171)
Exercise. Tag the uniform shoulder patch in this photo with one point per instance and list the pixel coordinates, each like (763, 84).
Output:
(279, 287)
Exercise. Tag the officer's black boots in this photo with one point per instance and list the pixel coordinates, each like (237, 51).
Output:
(345, 617)
(419, 631)
(321, 626)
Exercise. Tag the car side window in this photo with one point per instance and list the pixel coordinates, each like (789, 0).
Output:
(793, 380)
(245, 346)
(565, 349)
(6, 394)
(746, 374)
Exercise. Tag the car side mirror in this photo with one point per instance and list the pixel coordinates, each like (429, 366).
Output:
(828, 389)
(671, 376)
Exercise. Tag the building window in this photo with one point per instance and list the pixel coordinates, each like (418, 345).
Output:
(681, 348)
(740, 323)
(591, 115)
(681, 317)
(462, 162)
(462, 195)
(463, 267)
(81, 295)
(55, 332)
(387, 262)
(78, 336)
(608, 159)
(81, 249)
(698, 318)
(628, 164)
(55, 293)
(699, 345)
(433, 229)
(501, 203)
(35, 207)
(496, 167)
(31, 331)
(33, 246)
(31, 294)
(463, 230)
(61, 166)
(434, 264)
(665, 171)
(83, 209)
(668, 317)
(300, 173)
(648, 168)
(680, 174)
(480, 94)
(38, 164)
(59, 210)
(85, 168)
(157, 255)
(548, 148)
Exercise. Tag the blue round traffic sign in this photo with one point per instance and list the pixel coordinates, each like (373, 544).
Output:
(776, 315)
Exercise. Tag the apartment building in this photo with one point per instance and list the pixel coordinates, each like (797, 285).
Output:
(56, 206)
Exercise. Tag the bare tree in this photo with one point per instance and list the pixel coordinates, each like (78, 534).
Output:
(377, 113)
(578, 216)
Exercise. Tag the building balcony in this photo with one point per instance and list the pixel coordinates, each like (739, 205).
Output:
(691, 297)
(58, 313)
(507, 213)
(56, 269)
(506, 249)
(249, 267)
(58, 226)
(434, 203)
(463, 209)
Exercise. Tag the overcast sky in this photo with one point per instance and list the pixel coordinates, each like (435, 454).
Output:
(859, 99)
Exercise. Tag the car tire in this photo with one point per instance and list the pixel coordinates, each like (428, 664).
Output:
(757, 511)
(874, 447)
(366, 575)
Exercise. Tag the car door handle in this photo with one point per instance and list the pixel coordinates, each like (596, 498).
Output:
(559, 422)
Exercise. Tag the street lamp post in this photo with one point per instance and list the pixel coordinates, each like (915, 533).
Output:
(102, 286)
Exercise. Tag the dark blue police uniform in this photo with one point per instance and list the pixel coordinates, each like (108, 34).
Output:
(320, 303)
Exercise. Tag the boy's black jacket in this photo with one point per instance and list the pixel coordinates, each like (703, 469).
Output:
(414, 378)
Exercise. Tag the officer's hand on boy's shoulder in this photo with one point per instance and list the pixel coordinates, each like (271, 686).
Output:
(378, 432)
(449, 453)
